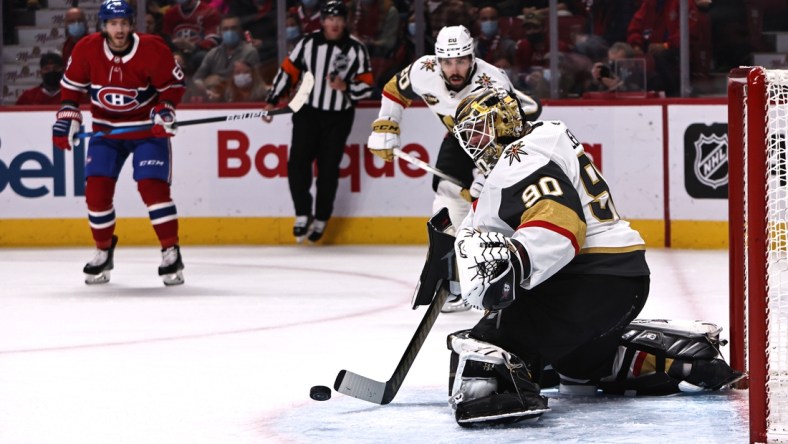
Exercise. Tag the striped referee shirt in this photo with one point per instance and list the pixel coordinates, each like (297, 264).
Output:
(346, 57)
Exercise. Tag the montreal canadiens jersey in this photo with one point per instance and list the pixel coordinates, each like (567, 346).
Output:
(423, 80)
(547, 194)
(122, 89)
(199, 26)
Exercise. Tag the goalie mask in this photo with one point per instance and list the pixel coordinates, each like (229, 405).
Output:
(487, 120)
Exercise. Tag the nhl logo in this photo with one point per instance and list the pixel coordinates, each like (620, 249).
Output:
(711, 160)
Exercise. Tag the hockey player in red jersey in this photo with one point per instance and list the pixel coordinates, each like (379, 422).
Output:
(116, 69)
(562, 278)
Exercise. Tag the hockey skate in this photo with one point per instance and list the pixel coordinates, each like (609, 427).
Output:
(454, 304)
(301, 228)
(316, 230)
(97, 271)
(171, 268)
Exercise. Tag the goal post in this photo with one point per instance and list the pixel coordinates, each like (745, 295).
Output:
(758, 248)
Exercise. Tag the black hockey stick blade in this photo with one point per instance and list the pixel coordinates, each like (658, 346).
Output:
(295, 104)
(361, 387)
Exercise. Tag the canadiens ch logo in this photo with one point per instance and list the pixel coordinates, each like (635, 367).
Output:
(430, 99)
(514, 152)
(484, 81)
(118, 99)
(711, 154)
(428, 65)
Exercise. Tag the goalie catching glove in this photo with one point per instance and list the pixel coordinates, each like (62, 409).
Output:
(491, 267)
(163, 117)
(384, 138)
(69, 119)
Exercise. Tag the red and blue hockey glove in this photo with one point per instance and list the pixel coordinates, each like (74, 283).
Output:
(163, 117)
(69, 119)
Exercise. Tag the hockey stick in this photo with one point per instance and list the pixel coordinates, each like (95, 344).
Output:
(298, 100)
(433, 281)
(361, 387)
(426, 167)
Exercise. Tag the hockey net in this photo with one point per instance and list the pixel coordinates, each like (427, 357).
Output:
(758, 224)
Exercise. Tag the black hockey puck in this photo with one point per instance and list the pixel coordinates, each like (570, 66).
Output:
(320, 393)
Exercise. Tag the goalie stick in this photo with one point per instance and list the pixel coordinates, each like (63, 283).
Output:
(426, 167)
(295, 104)
(433, 281)
(361, 387)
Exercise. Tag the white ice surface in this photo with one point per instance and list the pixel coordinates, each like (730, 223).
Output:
(229, 357)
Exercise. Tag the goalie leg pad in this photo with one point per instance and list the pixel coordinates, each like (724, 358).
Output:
(660, 357)
(490, 385)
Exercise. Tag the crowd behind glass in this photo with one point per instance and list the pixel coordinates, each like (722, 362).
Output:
(606, 48)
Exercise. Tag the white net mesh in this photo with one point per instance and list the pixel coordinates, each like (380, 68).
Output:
(777, 254)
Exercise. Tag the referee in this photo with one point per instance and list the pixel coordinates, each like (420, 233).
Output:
(340, 65)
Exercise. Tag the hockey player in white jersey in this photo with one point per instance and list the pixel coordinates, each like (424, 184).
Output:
(441, 81)
(561, 276)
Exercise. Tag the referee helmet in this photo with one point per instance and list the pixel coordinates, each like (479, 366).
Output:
(333, 8)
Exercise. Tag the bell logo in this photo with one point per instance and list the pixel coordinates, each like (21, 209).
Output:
(28, 168)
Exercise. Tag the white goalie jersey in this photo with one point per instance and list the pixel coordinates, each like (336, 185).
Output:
(423, 80)
(547, 194)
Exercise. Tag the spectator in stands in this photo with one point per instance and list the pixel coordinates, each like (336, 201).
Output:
(293, 30)
(604, 75)
(48, 92)
(375, 23)
(505, 62)
(532, 50)
(490, 43)
(215, 87)
(154, 24)
(654, 31)
(449, 13)
(308, 12)
(259, 18)
(193, 28)
(247, 84)
(221, 6)
(730, 39)
(611, 18)
(219, 61)
(76, 27)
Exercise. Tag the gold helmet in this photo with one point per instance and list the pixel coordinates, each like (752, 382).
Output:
(487, 120)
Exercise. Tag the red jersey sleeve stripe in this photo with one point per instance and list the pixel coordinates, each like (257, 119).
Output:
(554, 228)
(394, 98)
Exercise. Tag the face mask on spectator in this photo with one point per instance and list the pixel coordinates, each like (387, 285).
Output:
(76, 29)
(51, 79)
(230, 38)
(309, 3)
(489, 28)
(292, 32)
(412, 29)
(242, 80)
